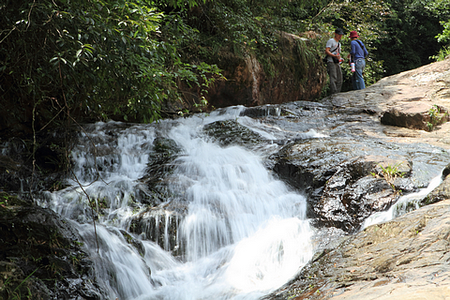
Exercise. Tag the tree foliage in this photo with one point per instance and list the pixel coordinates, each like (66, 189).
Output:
(408, 37)
(364, 16)
(97, 59)
(399, 34)
(250, 26)
(90, 58)
(441, 8)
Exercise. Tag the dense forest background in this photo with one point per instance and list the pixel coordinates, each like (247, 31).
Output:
(66, 61)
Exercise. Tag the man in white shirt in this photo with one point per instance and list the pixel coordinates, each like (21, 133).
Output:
(334, 60)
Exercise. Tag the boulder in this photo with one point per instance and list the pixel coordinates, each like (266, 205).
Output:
(41, 257)
(442, 192)
(347, 179)
(417, 116)
(294, 72)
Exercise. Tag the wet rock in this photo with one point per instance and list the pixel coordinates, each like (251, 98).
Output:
(446, 171)
(14, 173)
(23, 172)
(159, 225)
(152, 189)
(263, 111)
(348, 199)
(442, 192)
(41, 257)
(136, 243)
(406, 258)
(347, 179)
(230, 132)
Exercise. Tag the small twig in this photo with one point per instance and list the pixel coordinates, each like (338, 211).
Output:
(34, 151)
(76, 179)
(322, 10)
(49, 122)
(90, 205)
(29, 14)
(8, 34)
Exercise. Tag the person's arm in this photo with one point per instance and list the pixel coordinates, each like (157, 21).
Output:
(327, 52)
(352, 51)
(350, 54)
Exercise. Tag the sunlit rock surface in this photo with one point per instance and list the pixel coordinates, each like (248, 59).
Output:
(411, 99)
(407, 258)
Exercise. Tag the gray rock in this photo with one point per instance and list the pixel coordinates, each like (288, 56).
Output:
(406, 258)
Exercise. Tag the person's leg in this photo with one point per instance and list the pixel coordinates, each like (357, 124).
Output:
(359, 79)
(338, 78)
(331, 68)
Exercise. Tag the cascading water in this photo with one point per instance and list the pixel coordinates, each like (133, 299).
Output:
(402, 204)
(242, 232)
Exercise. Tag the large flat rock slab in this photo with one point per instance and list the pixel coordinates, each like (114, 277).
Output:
(413, 105)
(415, 115)
(406, 258)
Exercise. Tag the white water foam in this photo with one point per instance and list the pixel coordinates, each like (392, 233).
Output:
(401, 205)
(245, 232)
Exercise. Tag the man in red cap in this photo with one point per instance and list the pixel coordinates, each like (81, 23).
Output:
(358, 53)
(334, 60)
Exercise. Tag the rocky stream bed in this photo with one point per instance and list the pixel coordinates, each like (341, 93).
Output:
(374, 146)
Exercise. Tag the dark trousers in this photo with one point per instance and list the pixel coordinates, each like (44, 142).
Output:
(335, 73)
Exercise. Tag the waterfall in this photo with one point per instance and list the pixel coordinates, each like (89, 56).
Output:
(241, 234)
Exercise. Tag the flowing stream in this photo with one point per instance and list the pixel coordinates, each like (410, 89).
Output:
(243, 232)
(403, 205)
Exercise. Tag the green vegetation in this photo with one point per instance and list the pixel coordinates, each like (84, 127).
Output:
(85, 60)
(441, 9)
(90, 60)
(7, 200)
(436, 117)
(408, 35)
(16, 293)
(389, 173)
(4, 199)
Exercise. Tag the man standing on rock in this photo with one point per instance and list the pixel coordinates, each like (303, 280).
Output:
(334, 60)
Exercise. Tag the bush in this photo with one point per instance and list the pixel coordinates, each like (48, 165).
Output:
(89, 59)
